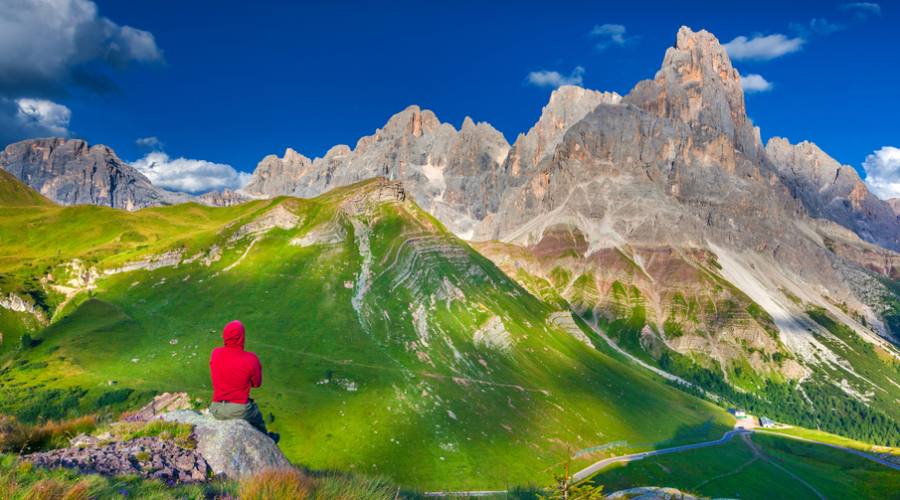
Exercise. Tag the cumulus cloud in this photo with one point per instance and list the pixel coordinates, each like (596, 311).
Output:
(883, 172)
(46, 45)
(762, 47)
(188, 175)
(755, 83)
(609, 35)
(151, 142)
(25, 118)
(862, 10)
(555, 78)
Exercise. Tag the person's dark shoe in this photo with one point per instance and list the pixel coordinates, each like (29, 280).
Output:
(275, 436)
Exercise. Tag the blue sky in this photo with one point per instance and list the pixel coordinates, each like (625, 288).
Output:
(229, 82)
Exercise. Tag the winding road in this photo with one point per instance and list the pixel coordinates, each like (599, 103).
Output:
(597, 466)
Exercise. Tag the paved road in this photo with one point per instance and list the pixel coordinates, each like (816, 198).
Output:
(597, 466)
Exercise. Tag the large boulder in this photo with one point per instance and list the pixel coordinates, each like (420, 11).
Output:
(232, 448)
(651, 493)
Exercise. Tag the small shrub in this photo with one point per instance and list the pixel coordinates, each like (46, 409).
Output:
(275, 484)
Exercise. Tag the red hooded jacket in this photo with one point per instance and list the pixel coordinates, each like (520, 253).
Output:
(233, 370)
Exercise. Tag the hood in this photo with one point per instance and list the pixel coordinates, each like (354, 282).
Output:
(233, 334)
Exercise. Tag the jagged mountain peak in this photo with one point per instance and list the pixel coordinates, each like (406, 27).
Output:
(412, 120)
(698, 85)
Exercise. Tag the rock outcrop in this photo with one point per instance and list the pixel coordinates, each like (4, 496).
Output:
(223, 198)
(148, 457)
(231, 447)
(70, 172)
(651, 493)
(833, 191)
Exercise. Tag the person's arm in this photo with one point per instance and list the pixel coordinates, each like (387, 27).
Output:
(256, 374)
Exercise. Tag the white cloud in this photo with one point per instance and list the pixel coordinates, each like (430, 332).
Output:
(26, 118)
(48, 44)
(188, 175)
(151, 142)
(762, 48)
(755, 83)
(44, 114)
(862, 9)
(554, 78)
(883, 172)
(816, 26)
(609, 35)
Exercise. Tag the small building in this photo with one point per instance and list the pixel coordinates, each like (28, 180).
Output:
(766, 422)
(738, 413)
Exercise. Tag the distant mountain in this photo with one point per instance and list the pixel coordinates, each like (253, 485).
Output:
(452, 173)
(833, 191)
(70, 172)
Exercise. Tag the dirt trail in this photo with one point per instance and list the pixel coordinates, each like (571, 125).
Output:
(759, 453)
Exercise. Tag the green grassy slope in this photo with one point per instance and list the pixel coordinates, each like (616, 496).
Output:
(16, 194)
(389, 346)
(733, 470)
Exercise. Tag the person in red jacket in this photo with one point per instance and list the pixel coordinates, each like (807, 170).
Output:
(234, 372)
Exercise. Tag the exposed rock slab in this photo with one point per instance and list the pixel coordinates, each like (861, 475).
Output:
(231, 447)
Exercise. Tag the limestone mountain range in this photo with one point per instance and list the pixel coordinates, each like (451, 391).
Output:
(668, 189)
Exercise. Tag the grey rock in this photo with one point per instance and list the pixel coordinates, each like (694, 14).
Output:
(223, 198)
(651, 493)
(833, 191)
(70, 172)
(276, 176)
(895, 204)
(147, 457)
(231, 447)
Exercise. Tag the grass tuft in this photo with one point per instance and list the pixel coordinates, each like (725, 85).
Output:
(275, 484)
(18, 437)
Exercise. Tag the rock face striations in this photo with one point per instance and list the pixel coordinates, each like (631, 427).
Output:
(70, 172)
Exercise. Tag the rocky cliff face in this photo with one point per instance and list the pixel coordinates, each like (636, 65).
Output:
(448, 171)
(71, 172)
(276, 176)
(895, 204)
(833, 191)
(568, 105)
